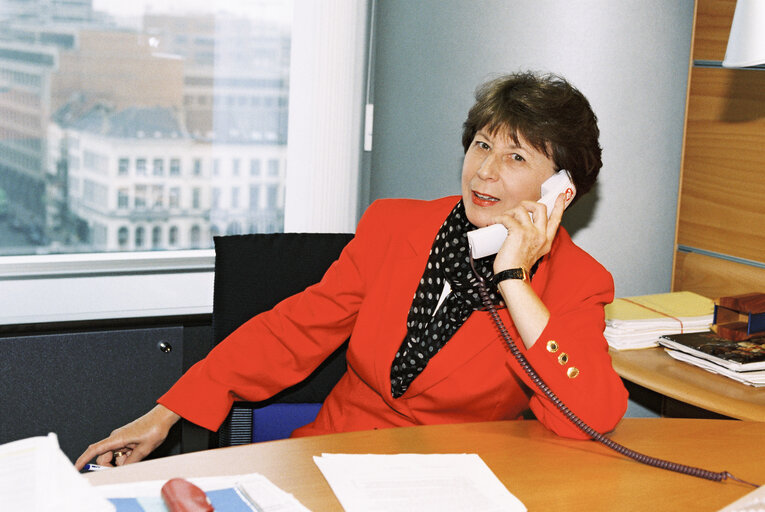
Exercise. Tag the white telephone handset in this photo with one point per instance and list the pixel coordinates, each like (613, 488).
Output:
(486, 241)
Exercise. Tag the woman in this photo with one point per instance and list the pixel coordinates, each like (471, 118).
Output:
(421, 349)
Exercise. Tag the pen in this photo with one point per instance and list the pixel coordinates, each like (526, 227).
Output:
(94, 467)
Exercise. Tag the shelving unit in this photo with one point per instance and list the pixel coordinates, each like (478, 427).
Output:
(720, 233)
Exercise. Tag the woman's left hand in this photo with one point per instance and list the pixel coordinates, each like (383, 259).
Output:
(527, 240)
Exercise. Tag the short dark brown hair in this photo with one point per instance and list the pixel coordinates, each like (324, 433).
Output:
(547, 111)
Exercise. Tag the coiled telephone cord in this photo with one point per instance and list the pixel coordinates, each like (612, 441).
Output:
(584, 427)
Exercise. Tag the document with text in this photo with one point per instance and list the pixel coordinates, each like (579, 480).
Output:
(416, 482)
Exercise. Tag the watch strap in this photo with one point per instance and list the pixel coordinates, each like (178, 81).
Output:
(511, 273)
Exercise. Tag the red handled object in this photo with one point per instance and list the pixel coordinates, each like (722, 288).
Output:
(182, 496)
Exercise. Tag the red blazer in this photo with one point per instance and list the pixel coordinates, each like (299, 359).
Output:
(366, 295)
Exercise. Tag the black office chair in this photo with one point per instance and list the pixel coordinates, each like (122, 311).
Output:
(252, 274)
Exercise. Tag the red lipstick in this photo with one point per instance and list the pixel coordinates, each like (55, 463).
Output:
(483, 199)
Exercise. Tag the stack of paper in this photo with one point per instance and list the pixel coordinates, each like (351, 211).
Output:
(36, 475)
(639, 322)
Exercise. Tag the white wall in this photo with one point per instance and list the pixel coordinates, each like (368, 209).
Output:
(629, 57)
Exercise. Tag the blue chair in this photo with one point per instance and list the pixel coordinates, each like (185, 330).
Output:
(252, 274)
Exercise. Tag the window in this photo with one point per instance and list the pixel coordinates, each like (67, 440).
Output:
(175, 167)
(139, 237)
(123, 199)
(166, 118)
(140, 197)
(273, 167)
(159, 167)
(174, 197)
(122, 237)
(110, 136)
(195, 236)
(196, 202)
(157, 196)
(172, 236)
(156, 237)
(272, 196)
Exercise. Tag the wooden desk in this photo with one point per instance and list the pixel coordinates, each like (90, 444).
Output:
(653, 369)
(544, 471)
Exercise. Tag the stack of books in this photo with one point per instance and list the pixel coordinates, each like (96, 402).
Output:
(639, 322)
(743, 361)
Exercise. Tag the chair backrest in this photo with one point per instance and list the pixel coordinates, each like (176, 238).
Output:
(252, 274)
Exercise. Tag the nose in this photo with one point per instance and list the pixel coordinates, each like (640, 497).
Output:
(489, 169)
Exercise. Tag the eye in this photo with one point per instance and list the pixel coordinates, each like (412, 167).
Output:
(481, 145)
(517, 157)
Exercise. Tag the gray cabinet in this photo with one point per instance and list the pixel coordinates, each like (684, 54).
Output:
(82, 385)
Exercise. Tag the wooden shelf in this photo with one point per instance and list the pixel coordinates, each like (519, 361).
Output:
(653, 369)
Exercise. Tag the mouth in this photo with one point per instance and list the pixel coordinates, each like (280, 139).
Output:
(483, 199)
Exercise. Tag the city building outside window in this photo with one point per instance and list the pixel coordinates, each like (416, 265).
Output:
(88, 151)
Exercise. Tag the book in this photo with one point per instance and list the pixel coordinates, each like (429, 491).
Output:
(737, 356)
(639, 321)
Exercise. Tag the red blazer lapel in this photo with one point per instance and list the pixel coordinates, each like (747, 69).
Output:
(476, 335)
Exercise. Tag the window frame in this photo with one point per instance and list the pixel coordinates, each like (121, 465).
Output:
(92, 286)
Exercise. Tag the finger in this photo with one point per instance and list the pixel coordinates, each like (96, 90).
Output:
(137, 455)
(121, 457)
(98, 449)
(514, 217)
(537, 210)
(105, 459)
(556, 216)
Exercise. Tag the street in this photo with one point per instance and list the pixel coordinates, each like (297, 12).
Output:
(14, 241)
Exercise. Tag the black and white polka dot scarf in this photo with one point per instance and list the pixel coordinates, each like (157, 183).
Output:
(427, 332)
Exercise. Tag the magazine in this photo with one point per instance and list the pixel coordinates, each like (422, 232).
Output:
(738, 356)
(754, 378)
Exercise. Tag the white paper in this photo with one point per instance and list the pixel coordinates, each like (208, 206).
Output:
(415, 482)
(623, 336)
(36, 475)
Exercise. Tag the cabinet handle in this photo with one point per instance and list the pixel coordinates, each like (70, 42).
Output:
(164, 346)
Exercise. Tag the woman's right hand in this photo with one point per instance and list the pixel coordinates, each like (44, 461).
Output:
(135, 440)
